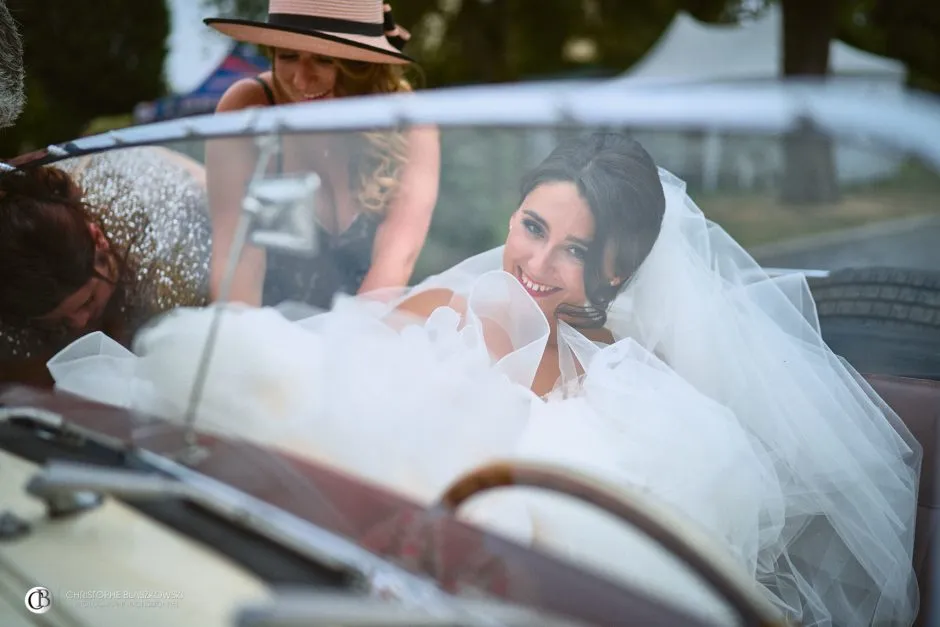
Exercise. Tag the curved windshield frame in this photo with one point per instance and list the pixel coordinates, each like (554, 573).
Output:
(271, 168)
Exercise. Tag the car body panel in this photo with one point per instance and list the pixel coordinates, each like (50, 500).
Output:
(457, 557)
(113, 551)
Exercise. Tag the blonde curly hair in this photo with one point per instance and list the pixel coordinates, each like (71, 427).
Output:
(386, 152)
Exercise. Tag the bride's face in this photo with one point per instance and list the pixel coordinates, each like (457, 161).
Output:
(548, 238)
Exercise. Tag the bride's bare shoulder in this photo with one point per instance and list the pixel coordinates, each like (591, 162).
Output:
(425, 302)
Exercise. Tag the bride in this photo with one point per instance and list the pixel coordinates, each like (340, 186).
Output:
(618, 332)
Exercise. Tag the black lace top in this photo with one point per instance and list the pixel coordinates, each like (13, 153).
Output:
(340, 266)
(343, 258)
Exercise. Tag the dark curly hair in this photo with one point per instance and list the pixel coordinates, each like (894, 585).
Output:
(620, 183)
(46, 249)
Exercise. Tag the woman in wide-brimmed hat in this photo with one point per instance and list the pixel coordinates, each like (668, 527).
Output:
(379, 216)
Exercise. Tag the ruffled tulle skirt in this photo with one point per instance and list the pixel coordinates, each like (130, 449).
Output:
(415, 408)
(415, 404)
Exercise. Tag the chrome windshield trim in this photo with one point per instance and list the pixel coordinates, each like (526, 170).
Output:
(906, 121)
(810, 274)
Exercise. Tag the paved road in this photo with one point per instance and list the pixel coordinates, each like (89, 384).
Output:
(909, 243)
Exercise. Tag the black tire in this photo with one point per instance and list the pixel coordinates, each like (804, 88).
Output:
(882, 320)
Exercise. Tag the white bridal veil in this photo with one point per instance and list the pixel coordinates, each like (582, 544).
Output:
(835, 543)
(848, 468)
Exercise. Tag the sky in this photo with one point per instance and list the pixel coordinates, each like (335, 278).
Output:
(195, 49)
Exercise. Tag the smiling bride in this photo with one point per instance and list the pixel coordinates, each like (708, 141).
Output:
(617, 332)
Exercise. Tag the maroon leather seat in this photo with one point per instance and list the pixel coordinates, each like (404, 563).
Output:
(917, 402)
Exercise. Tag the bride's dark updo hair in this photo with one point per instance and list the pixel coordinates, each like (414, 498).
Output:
(619, 181)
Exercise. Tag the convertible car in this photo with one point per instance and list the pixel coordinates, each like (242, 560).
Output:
(109, 516)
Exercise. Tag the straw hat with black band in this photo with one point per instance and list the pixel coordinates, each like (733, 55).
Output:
(342, 29)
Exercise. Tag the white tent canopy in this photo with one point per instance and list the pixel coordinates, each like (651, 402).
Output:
(693, 50)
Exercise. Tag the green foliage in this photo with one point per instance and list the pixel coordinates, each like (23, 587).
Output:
(472, 41)
(469, 41)
(82, 63)
(905, 30)
(506, 40)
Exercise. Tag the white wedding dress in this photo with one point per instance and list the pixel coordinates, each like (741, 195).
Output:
(718, 400)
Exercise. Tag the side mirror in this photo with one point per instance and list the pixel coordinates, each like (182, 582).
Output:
(278, 212)
(281, 211)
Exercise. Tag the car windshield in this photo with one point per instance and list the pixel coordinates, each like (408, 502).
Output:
(288, 225)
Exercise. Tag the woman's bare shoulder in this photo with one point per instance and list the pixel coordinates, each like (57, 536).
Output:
(423, 304)
(243, 94)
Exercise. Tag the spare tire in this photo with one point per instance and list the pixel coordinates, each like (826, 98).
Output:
(882, 320)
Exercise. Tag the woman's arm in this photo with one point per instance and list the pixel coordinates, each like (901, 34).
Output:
(229, 166)
(401, 236)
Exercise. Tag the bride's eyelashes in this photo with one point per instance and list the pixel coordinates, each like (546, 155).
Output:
(538, 230)
(533, 228)
(578, 252)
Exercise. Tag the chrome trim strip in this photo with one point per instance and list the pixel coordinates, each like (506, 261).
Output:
(810, 274)
(289, 530)
(908, 122)
(48, 418)
(318, 609)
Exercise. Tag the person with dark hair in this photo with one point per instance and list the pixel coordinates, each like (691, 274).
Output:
(103, 242)
(11, 69)
(588, 218)
(606, 175)
(618, 333)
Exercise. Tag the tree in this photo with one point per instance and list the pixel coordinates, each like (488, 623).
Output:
(478, 40)
(905, 30)
(82, 64)
(491, 41)
(809, 27)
